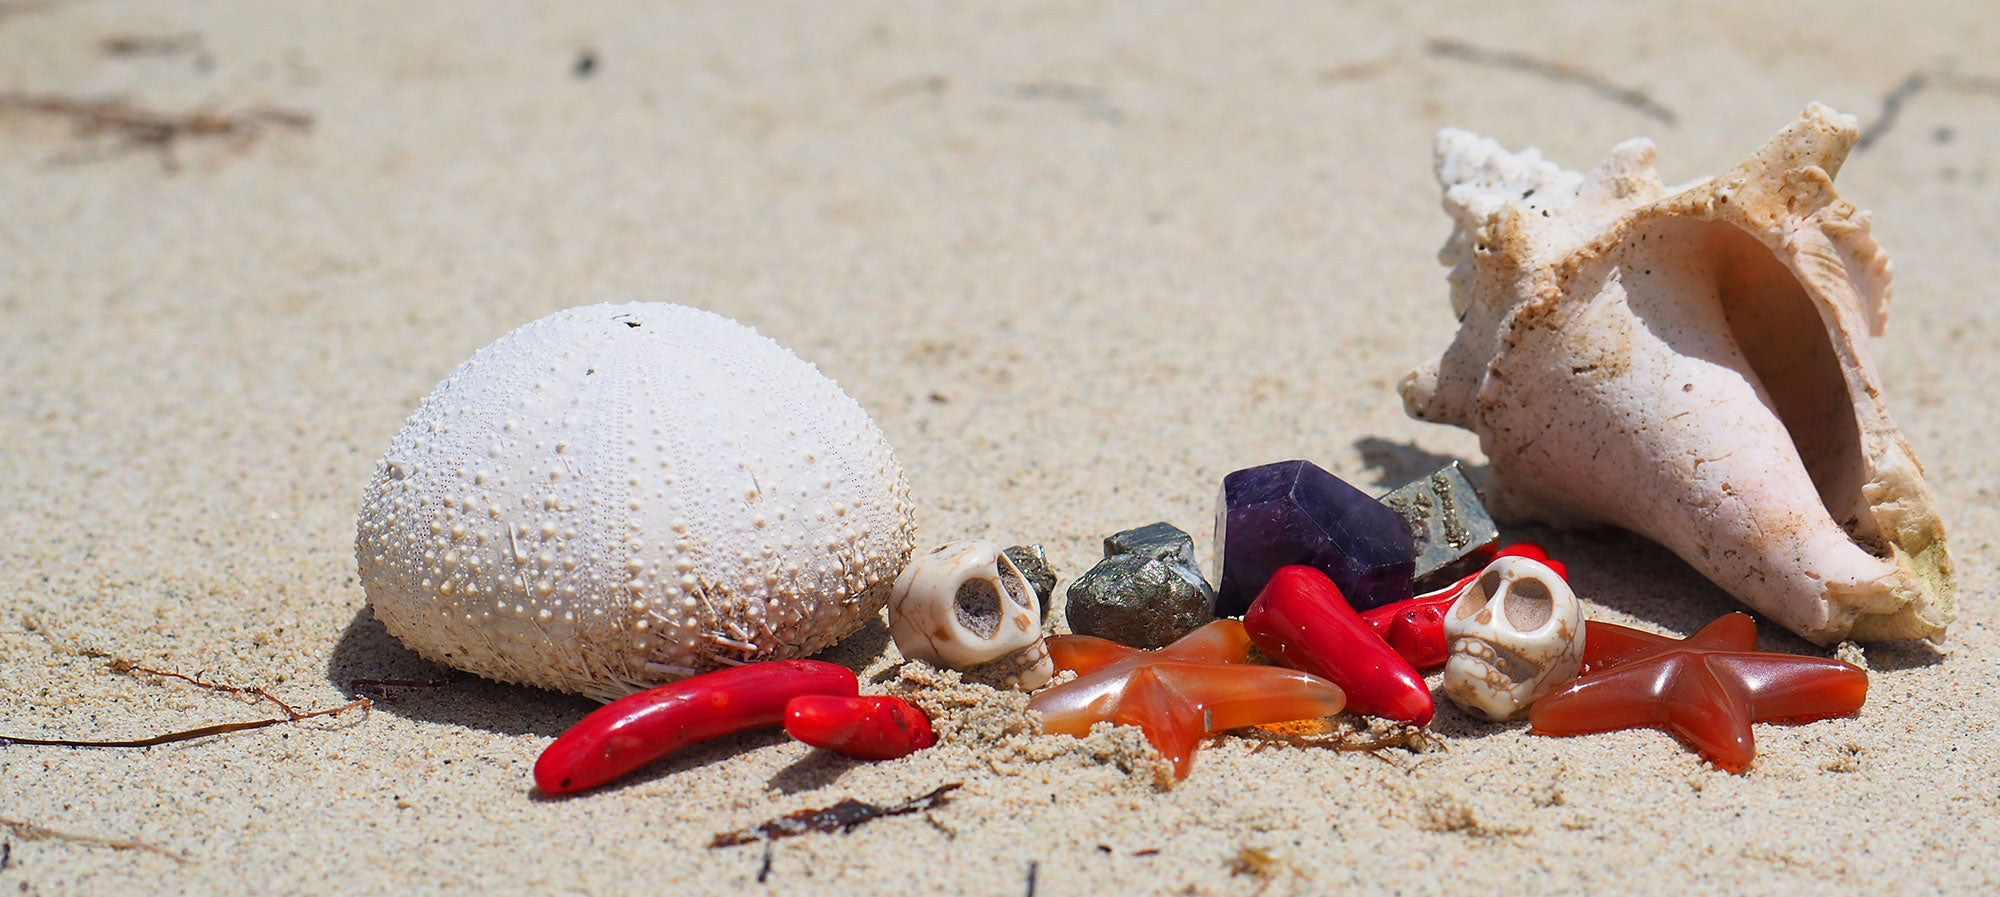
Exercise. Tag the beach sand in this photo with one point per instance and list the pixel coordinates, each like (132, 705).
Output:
(1078, 261)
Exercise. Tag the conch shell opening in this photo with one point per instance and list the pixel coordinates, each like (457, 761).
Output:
(1692, 364)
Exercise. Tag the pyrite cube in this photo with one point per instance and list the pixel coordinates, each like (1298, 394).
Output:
(1133, 599)
(1449, 527)
(1034, 567)
(1292, 512)
(1154, 540)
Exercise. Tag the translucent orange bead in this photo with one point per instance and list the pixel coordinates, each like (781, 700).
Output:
(1707, 688)
(1195, 687)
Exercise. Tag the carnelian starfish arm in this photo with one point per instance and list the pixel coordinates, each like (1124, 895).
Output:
(1795, 689)
(1085, 654)
(1729, 632)
(1238, 695)
(1607, 645)
(1627, 697)
(1128, 696)
(1223, 641)
(1073, 707)
(1710, 710)
(1677, 693)
(1171, 726)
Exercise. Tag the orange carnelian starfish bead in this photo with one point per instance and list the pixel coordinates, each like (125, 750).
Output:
(1197, 686)
(1707, 688)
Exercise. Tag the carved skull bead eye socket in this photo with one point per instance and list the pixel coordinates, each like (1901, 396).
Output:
(1016, 584)
(1476, 596)
(978, 607)
(1529, 604)
(977, 603)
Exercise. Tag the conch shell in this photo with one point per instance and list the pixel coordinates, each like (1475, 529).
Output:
(1692, 364)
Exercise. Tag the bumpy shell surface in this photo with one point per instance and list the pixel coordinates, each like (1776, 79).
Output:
(1692, 364)
(616, 496)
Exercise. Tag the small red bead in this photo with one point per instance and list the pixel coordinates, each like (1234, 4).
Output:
(877, 727)
(1417, 633)
(1415, 628)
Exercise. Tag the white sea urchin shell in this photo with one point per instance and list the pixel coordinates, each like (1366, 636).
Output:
(616, 496)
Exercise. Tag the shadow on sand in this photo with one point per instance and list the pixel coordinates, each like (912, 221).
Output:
(1615, 569)
(366, 651)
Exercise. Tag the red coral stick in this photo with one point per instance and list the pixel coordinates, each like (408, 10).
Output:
(1301, 620)
(878, 727)
(1415, 627)
(635, 730)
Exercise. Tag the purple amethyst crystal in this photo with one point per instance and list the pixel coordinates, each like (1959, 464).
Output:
(1292, 512)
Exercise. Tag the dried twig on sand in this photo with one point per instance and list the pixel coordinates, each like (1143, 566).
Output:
(132, 127)
(28, 831)
(291, 714)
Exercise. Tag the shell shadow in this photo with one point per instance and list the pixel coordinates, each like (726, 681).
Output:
(1890, 657)
(367, 651)
(1392, 464)
(1616, 569)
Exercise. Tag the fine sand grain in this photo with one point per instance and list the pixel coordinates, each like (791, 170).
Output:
(1078, 261)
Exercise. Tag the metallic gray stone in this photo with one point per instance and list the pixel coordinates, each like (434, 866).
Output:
(1034, 566)
(1154, 540)
(1453, 534)
(1138, 600)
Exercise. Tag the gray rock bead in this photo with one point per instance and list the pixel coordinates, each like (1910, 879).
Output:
(1449, 527)
(1154, 540)
(1137, 600)
(1034, 566)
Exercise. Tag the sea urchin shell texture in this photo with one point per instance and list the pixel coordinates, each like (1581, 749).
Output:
(1692, 364)
(615, 496)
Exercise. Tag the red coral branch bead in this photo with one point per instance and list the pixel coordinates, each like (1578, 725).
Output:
(1301, 620)
(877, 727)
(1415, 628)
(635, 730)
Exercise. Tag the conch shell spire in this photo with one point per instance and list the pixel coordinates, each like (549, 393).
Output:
(1692, 364)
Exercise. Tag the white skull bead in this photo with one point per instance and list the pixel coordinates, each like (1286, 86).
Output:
(965, 606)
(1515, 633)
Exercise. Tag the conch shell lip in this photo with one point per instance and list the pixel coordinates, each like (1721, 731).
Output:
(1692, 364)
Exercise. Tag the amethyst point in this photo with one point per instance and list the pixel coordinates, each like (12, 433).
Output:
(1292, 512)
